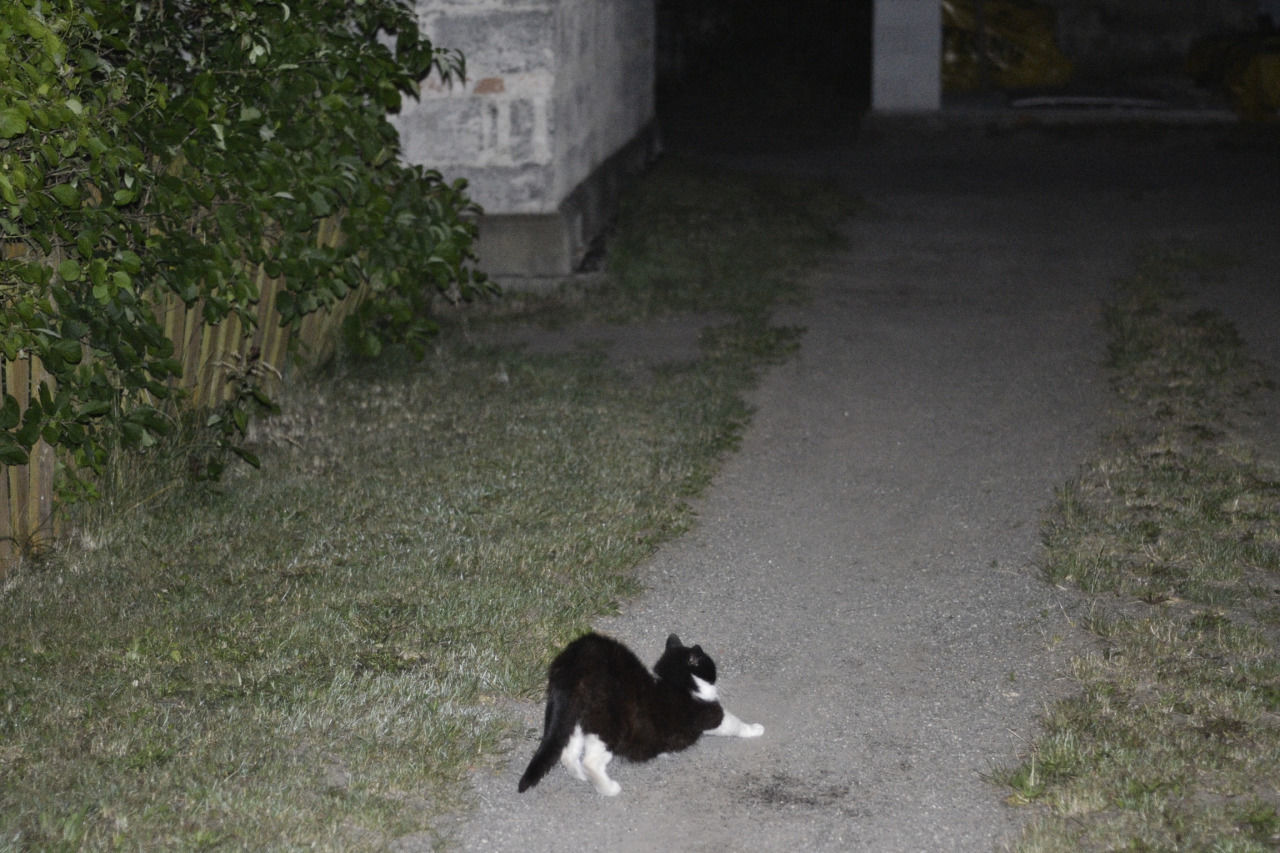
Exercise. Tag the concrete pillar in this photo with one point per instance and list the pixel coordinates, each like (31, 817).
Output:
(906, 56)
(557, 108)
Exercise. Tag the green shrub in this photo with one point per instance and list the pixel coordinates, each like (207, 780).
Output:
(149, 149)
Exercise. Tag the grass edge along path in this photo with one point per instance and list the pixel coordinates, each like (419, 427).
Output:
(1172, 532)
(314, 655)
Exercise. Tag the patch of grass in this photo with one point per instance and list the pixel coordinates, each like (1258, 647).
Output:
(315, 654)
(692, 239)
(1174, 531)
(712, 219)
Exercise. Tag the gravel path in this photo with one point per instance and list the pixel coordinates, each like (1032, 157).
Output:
(863, 569)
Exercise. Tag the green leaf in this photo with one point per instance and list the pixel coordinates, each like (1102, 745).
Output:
(29, 433)
(69, 270)
(227, 221)
(66, 195)
(285, 304)
(195, 111)
(93, 409)
(10, 414)
(151, 418)
(69, 350)
(12, 122)
(251, 458)
(11, 453)
(97, 274)
(132, 433)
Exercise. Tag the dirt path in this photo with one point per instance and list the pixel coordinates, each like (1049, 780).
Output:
(862, 570)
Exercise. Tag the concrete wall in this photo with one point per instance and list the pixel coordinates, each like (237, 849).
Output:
(604, 90)
(906, 56)
(557, 106)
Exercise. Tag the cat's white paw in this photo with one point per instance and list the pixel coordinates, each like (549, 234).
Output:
(731, 726)
(609, 788)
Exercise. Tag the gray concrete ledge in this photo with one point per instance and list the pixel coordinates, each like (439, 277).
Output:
(513, 247)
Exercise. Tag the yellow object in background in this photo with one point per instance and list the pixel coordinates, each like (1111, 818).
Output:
(1246, 67)
(1003, 44)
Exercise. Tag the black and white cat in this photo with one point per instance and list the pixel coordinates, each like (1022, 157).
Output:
(602, 701)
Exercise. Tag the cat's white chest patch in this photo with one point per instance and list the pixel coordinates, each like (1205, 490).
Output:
(705, 691)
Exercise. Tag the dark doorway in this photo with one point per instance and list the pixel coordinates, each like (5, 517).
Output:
(739, 75)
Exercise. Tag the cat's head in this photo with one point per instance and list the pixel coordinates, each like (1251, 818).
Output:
(681, 664)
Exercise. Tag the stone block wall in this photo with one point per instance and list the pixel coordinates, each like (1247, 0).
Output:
(558, 105)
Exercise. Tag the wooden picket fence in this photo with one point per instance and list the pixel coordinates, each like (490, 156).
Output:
(208, 355)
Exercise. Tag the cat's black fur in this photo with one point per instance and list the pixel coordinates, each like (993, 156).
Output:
(599, 684)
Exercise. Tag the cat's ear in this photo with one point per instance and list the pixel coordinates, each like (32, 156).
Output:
(673, 642)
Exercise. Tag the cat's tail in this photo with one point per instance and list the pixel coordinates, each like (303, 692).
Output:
(557, 728)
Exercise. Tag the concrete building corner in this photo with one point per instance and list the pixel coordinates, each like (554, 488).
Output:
(556, 110)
